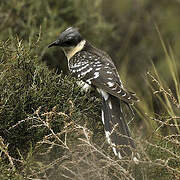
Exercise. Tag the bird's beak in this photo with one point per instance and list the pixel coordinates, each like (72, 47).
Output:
(55, 43)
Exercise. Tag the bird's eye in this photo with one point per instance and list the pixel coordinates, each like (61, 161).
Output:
(68, 42)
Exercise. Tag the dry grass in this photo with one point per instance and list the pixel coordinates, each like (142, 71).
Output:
(71, 153)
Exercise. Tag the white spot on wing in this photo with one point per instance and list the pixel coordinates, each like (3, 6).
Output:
(119, 91)
(88, 81)
(97, 62)
(84, 73)
(97, 65)
(83, 67)
(109, 72)
(96, 75)
(124, 95)
(97, 69)
(76, 65)
(110, 84)
(114, 88)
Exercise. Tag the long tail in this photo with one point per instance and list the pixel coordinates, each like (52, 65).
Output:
(116, 128)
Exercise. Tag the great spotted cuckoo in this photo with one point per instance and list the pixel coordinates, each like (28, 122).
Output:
(96, 69)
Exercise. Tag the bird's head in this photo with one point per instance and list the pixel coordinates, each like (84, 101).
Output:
(70, 41)
(68, 38)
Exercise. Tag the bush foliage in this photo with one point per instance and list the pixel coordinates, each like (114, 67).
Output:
(49, 128)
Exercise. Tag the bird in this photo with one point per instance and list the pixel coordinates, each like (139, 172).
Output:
(94, 68)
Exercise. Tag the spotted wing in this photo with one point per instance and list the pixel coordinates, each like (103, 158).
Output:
(101, 73)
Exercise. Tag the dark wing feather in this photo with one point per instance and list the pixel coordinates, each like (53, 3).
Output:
(100, 72)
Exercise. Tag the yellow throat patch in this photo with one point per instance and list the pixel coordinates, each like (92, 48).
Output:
(71, 52)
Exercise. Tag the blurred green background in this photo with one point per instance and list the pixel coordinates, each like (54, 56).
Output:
(141, 36)
(125, 29)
